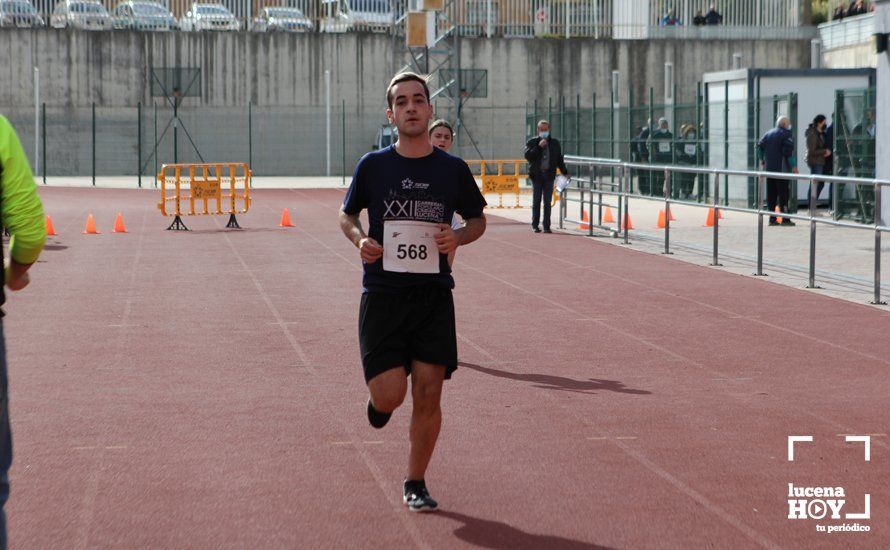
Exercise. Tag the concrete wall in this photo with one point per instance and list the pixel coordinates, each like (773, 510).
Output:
(862, 55)
(282, 75)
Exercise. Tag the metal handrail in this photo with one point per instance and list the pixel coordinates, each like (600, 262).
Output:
(597, 187)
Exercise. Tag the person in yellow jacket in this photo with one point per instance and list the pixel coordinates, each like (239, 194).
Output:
(22, 214)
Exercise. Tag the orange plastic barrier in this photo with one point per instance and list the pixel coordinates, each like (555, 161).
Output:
(223, 183)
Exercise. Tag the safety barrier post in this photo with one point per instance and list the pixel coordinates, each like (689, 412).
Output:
(623, 221)
(43, 132)
(590, 204)
(620, 197)
(878, 223)
(667, 212)
(716, 261)
(811, 283)
(139, 144)
(759, 195)
(94, 144)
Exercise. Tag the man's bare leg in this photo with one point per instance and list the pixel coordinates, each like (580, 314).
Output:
(426, 417)
(387, 391)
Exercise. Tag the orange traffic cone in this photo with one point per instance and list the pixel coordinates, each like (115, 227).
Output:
(90, 228)
(607, 217)
(50, 230)
(661, 222)
(627, 223)
(778, 211)
(285, 219)
(710, 221)
(585, 220)
(672, 218)
(119, 226)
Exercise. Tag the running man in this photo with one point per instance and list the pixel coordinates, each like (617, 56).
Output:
(22, 213)
(406, 318)
(442, 136)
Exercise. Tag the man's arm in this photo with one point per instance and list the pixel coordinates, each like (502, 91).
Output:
(532, 151)
(369, 249)
(22, 211)
(473, 229)
(449, 239)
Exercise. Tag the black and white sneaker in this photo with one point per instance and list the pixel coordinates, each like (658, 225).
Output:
(376, 418)
(417, 498)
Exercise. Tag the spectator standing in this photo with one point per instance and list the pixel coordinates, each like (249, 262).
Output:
(662, 140)
(670, 20)
(699, 19)
(857, 7)
(776, 149)
(544, 156)
(828, 168)
(839, 12)
(713, 17)
(817, 150)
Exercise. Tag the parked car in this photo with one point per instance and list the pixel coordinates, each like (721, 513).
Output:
(209, 17)
(386, 136)
(88, 15)
(19, 13)
(370, 15)
(275, 18)
(142, 15)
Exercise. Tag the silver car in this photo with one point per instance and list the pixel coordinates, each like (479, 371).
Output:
(370, 15)
(142, 15)
(273, 19)
(209, 17)
(87, 15)
(19, 13)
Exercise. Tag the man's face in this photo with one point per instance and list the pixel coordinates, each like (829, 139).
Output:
(543, 128)
(411, 112)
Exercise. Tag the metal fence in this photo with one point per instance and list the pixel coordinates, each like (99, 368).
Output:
(714, 134)
(851, 31)
(274, 141)
(596, 180)
(524, 18)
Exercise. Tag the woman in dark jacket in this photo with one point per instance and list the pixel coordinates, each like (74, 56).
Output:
(817, 150)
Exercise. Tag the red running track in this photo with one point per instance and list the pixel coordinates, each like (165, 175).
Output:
(203, 390)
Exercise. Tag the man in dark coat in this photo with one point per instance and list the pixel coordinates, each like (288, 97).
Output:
(776, 149)
(544, 156)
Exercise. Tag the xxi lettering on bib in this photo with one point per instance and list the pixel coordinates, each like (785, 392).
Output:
(410, 247)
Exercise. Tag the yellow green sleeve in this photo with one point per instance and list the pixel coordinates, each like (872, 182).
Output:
(20, 209)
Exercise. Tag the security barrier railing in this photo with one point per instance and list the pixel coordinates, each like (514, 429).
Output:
(591, 185)
(204, 183)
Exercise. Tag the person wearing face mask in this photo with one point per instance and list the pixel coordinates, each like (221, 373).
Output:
(817, 149)
(776, 152)
(661, 145)
(544, 156)
(686, 154)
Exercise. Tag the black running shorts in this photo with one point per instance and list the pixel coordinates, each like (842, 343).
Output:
(417, 324)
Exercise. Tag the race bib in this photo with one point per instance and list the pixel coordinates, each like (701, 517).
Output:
(664, 147)
(410, 247)
(690, 150)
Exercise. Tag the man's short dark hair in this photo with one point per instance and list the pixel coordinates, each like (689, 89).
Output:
(441, 123)
(406, 77)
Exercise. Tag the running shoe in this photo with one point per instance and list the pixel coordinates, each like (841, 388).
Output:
(417, 498)
(376, 418)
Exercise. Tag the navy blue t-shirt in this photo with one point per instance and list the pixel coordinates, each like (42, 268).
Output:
(427, 189)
